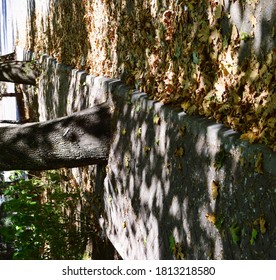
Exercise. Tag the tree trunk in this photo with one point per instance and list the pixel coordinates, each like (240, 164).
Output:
(8, 57)
(20, 72)
(80, 139)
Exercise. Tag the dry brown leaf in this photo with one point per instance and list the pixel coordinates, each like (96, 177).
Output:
(262, 225)
(179, 152)
(214, 189)
(164, 60)
(249, 136)
(211, 218)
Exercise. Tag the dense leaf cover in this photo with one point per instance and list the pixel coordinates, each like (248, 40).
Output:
(176, 51)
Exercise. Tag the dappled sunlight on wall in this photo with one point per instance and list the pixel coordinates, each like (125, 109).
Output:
(176, 186)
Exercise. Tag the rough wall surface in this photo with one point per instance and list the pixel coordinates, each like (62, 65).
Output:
(185, 187)
(175, 186)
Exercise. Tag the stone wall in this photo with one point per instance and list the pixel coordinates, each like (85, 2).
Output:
(176, 186)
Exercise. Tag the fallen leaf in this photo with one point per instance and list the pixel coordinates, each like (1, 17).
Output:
(214, 189)
(249, 136)
(182, 131)
(127, 160)
(254, 235)
(211, 218)
(156, 119)
(123, 131)
(146, 149)
(179, 152)
(253, 20)
(262, 225)
(139, 132)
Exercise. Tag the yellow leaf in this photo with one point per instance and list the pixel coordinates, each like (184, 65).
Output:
(211, 218)
(179, 152)
(146, 149)
(262, 225)
(139, 132)
(182, 131)
(127, 161)
(253, 20)
(249, 136)
(179, 255)
(156, 119)
(168, 166)
(214, 189)
(185, 105)
(123, 131)
(192, 109)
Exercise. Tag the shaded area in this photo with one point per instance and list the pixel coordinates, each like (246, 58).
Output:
(156, 192)
(19, 72)
(50, 216)
(57, 28)
(61, 93)
(181, 187)
(77, 140)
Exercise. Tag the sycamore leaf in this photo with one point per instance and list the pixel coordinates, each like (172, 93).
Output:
(179, 255)
(146, 149)
(214, 189)
(185, 105)
(262, 225)
(139, 132)
(253, 20)
(156, 119)
(249, 136)
(254, 235)
(123, 131)
(179, 152)
(182, 131)
(127, 160)
(211, 218)
(168, 166)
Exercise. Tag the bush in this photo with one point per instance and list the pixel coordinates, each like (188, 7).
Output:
(40, 220)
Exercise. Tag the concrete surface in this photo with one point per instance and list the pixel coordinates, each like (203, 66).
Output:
(157, 187)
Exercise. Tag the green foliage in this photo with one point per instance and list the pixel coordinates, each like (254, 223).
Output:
(36, 223)
(235, 232)
(254, 235)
